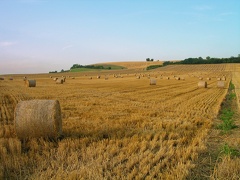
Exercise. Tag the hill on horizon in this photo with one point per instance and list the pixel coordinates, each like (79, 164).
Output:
(132, 64)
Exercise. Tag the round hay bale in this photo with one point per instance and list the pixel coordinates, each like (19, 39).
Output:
(10, 78)
(177, 78)
(98, 77)
(64, 79)
(223, 78)
(153, 81)
(30, 83)
(208, 78)
(219, 79)
(38, 118)
(55, 79)
(220, 84)
(200, 78)
(73, 77)
(202, 84)
(59, 81)
(1, 78)
(90, 77)
(167, 78)
(138, 77)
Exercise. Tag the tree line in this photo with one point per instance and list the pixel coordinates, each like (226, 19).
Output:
(207, 60)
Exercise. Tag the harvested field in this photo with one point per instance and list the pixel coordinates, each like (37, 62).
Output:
(121, 128)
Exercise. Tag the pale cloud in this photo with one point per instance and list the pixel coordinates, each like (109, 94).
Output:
(67, 47)
(202, 8)
(7, 43)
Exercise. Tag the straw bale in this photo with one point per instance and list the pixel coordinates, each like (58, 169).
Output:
(223, 78)
(219, 79)
(153, 81)
(30, 83)
(59, 81)
(202, 84)
(208, 78)
(167, 78)
(73, 77)
(55, 79)
(11, 78)
(38, 118)
(177, 78)
(138, 77)
(1, 78)
(220, 84)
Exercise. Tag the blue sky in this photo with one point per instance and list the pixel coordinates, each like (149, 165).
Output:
(38, 36)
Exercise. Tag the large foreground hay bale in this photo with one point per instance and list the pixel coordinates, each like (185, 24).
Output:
(220, 84)
(38, 118)
(202, 84)
(30, 83)
(59, 81)
(153, 81)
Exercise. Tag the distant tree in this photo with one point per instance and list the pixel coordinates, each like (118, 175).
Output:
(152, 59)
(208, 58)
(62, 70)
(200, 58)
(147, 59)
(239, 55)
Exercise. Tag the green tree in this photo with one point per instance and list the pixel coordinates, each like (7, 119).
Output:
(147, 59)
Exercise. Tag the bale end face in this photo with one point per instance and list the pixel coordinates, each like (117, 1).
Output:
(202, 84)
(30, 83)
(220, 84)
(153, 81)
(38, 118)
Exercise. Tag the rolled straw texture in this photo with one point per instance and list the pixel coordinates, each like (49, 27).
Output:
(30, 83)
(38, 118)
(202, 84)
(220, 84)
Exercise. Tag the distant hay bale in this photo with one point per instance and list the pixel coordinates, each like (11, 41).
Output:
(98, 77)
(11, 78)
(73, 77)
(90, 77)
(167, 78)
(38, 118)
(200, 78)
(1, 78)
(30, 83)
(24, 78)
(138, 77)
(177, 78)
(183, 78)
(50, 76)
(106, 78)
(202, 84)
(55, 79)
(153, 81)
(220, 84)
(219, 79)
(59, 81)
(208, 78)
(223, 78)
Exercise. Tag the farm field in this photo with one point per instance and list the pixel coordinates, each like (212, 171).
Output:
(116, 128)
